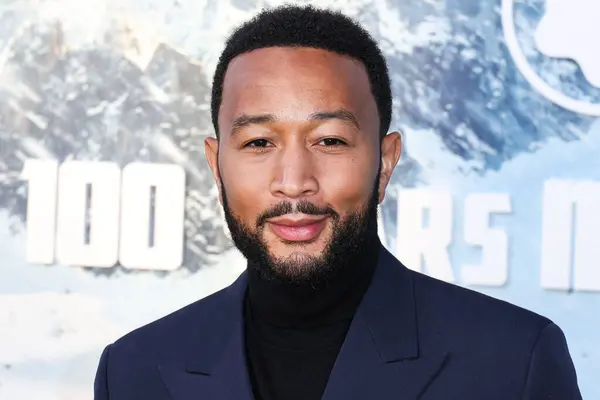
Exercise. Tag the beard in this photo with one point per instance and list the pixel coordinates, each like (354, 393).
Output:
(352, 238)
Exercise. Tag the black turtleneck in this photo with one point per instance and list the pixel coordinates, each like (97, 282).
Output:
(294, 334)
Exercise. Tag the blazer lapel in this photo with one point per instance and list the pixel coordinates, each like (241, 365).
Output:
(215, 366)
(380, 358)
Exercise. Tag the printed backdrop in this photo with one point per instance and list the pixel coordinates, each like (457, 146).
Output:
(109, 216)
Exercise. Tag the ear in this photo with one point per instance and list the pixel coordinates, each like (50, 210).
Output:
(391, 148)
(211, 149)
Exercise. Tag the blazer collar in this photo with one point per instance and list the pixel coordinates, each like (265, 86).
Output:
(380, 357)
(389, 311)
(211, 363)
(221, 333)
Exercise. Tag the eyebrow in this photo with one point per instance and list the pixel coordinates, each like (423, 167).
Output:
(339, 114)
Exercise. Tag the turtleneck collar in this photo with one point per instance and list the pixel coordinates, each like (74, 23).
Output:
(287, 306)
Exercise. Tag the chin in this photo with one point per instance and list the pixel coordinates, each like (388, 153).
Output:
(297, 267)
(283, 250)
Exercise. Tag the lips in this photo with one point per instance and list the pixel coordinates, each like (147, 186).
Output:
(300, 229)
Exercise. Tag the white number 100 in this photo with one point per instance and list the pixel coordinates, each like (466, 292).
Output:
(93, 214)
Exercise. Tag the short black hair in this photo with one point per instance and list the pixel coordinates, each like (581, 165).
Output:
(307, 26)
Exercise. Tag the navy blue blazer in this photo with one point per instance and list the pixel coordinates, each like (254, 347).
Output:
(413, 337)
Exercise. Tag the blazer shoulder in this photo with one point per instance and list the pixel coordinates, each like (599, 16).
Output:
(473, 309)
(169, 328)
(500, 342)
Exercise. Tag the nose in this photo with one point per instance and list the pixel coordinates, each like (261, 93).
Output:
(294, 174)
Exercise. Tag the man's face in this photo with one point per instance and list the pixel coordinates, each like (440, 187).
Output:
(299, 163)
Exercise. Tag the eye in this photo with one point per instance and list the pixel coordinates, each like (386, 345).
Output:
(330, 142)
(261, 143)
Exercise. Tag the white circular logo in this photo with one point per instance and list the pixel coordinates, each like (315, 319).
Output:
(555, 96)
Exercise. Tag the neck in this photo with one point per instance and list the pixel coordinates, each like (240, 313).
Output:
(305, 306)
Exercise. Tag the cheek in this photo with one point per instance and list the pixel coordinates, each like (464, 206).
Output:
(245, 191)
(349, 187)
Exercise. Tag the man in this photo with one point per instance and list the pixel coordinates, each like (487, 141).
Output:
(301, 106)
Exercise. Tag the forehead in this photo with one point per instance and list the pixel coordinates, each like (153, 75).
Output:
(292, 83)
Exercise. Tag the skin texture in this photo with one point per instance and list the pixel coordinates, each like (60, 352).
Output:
(298, 125)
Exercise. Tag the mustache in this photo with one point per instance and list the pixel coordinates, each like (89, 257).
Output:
(301, 207)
